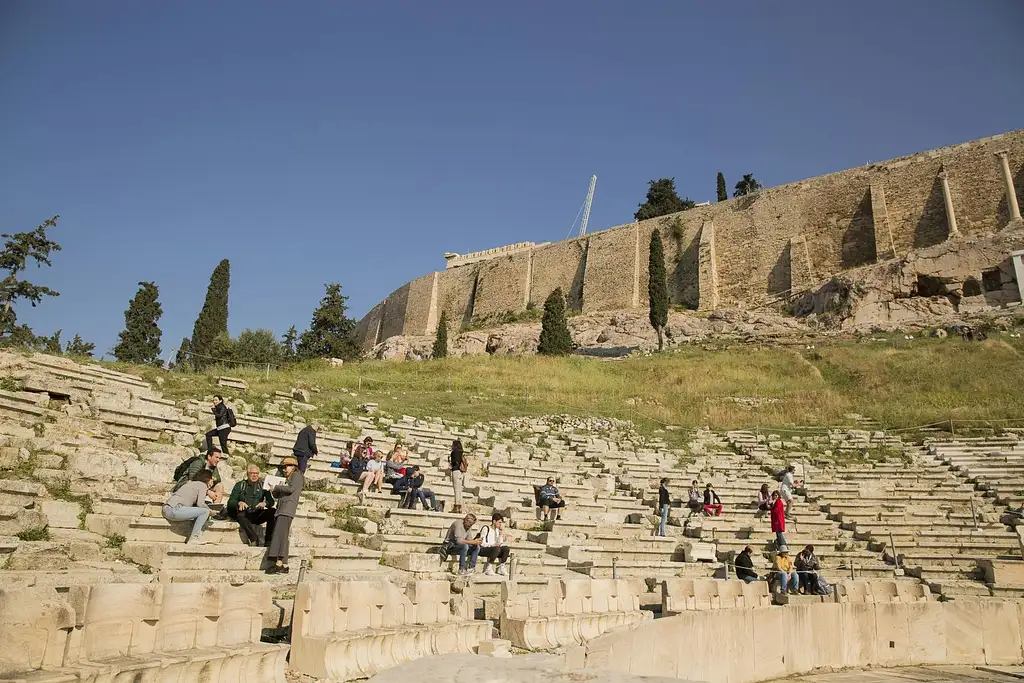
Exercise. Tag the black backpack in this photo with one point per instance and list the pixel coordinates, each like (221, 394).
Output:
(231, 418)
(181, 469)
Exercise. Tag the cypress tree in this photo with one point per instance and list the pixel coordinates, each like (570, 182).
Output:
(213, 319)
(441, 338)
(657, 288)
(140, 339)
(330, 331)
(555, 339)
(288, 342)
(181, 358)
(723, 193)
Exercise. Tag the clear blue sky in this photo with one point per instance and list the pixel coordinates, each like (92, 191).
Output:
(311, 142)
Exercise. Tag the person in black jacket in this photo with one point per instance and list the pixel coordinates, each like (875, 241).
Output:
(664, 503)
(712, 503)
(411, 486)
(456, 459)
(745, 566)
(305, 446)
(222, 426)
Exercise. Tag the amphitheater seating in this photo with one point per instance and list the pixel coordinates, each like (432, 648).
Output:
(687, 595)
(353, 629)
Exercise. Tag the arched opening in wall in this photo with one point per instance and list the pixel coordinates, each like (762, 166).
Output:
(972, 287)
(932, 228)
(858, 247)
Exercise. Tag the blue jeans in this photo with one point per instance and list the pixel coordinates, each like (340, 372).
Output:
(664, 520)
(780, 539)
(183, 514)
(422, 495)
(750, 579)
(464, 549)
(781, 581)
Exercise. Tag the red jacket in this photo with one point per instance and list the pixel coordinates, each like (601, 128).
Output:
(778, 515)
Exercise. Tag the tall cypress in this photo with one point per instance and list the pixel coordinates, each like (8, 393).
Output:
(140, 339)
(213, 319)
(723, 193)
(555, 339)
(657, 288)
(441, 338)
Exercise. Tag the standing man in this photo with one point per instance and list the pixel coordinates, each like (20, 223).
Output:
(664, 503)
(287, 495)
(252, 506)
(305, 447)
(224, 420)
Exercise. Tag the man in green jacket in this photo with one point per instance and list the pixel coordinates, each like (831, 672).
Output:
(252, 506)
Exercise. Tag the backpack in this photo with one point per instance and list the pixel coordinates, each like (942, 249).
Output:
(181, 469)
(463, 464)
(232, 422)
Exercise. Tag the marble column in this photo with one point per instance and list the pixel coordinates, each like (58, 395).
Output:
(1011, 194)
(950, 216)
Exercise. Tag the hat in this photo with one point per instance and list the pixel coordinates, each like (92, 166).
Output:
(783, 550)
(290, 461)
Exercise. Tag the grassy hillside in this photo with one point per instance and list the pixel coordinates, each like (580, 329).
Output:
(900, 384)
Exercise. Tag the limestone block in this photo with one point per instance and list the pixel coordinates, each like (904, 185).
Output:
(495, 648)
(34, 627)
(965, 640)
(696, 551)
(413, 562)
(548, 633)
(188, 617)
(1001, 631)
(61, 514)
(120, 620)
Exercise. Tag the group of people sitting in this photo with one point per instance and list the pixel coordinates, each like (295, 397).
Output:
(488, 542)
(801, 576)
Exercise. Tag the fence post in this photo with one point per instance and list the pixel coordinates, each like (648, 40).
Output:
(298, 582)
(951, 432)
(268, 370)
(513, 568)
(615, 567)
(853, 573)
(974, 515)
(895, 553)
(359, 382)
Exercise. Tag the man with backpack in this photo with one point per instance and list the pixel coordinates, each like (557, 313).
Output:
(492, 545)
(305, 447)
(224, 420)
(187, 470)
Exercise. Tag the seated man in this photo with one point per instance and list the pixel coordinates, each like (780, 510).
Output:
(492, 545)
(549, 499)
(411, 486)
(187, 471)
(459, 540)
(712, 503)
(785, 573)
(745, 566)
(252, 506)
(694, 499)
(807, 566)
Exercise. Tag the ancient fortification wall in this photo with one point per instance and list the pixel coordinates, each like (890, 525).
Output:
(739, 252)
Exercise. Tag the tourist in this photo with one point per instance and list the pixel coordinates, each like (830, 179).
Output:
(712, 503)
(357, 465)
(459, 464)
(664, 503)
(492, 545)
(785, 572)
(223, 417)
(808, 566)
(745, 566)
(187, 471)
(365, 449)
(694, 501)
(763, 501)
(411, 487)
(252, 506)
(372, 476)
(305, 447)
(778, 517)
(395, 465)
(287, 495)
(188, 502)
(346, 455)
(549, 499)
(786, 490)
(458, 540)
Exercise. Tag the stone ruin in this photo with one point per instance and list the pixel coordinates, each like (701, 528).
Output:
(917, 539)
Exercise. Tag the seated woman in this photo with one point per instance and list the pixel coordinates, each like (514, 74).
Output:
(188, 503)
(395, 466)
(372, 476)
(763, 500)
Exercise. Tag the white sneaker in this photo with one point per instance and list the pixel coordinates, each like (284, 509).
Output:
(199, 541)
(488, 570)
(502, 570)
(463, 572)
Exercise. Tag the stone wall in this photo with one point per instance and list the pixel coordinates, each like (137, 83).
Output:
(779, 240)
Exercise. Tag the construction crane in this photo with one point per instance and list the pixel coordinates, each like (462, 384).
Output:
(586, 206)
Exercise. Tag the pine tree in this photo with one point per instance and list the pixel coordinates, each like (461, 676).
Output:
(723, 191)
(555, 339)
(662, 200)
(288, 342)
(657, 288)
(213, 318)
(18, 249)
(51, 344)
(747, 185)
(79, 347)
(330, 331)
(140, 339)
(441, 338)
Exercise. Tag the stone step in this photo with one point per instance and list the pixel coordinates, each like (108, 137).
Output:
(160, 556)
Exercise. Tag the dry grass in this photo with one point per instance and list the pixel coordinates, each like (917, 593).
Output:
(899, 384)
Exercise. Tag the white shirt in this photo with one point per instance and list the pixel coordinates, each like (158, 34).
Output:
(490, 537)
(787, 482)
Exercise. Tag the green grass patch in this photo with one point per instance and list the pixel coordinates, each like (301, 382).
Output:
(36, 533)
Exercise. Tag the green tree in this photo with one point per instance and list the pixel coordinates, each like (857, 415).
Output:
(221, 350)
(288, 342)
(213, 318)
(555, 339)
(18, 249)
(181, 358)
(657, 288)
(662, 200)
(723, 191)
(140, 338)
(258, 346)
(51, 344)
(747, 185)
(441, 338)
(330, 331)
(79, 347)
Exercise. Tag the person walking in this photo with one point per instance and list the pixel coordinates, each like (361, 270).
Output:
(459, 465)
(287, 495)
(224, 420)
(778, 520)
(189, 503)
(786, 489)
(664, 503)
(305, 447)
